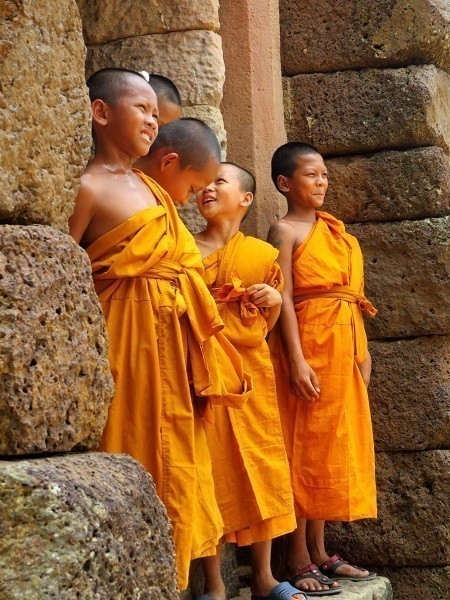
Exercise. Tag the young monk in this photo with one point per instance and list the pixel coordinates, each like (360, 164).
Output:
(169, 98)
(163, 324)
(322, 368)
(250, 467)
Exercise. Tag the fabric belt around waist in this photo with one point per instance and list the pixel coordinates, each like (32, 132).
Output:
(340, 293)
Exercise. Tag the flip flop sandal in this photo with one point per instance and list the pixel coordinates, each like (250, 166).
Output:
(329, 568)
(311, 571)
(282, 591)
(205, 597)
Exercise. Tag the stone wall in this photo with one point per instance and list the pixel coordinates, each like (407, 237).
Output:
(368, 84)
(72, 525)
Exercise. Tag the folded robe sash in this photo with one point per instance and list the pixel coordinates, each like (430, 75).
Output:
(250, 467)
(329, 442)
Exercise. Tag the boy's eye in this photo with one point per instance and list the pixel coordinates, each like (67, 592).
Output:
(220, 180)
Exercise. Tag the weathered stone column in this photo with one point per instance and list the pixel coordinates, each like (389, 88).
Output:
(72, 525)
(368, 82)
(253, 102)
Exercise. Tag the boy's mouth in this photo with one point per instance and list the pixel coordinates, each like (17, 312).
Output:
(208, 199)
(147, 136)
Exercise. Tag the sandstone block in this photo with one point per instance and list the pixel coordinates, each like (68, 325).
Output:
(44, 111)
(412, 528)
(369, 110)
(192, 59)
(351, 35)
(55, 383)
(212, 116)
(112, 20)
(407, 276)
(426, 582)
(389, 186)
(410, 393)
(83, 526)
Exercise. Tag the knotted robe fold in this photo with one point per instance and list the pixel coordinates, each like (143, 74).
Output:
(329, 442)
(250, 467)
(170, 362)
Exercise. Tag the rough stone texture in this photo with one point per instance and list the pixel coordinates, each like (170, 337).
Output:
(410, 393)
(115, 19)
(83, 526)
(212, 116)
(407, 276)
(369, 110)
(192, 59)
(409, 584)
(377, 589)
(55, 383)
(191, 217)
(389, 186)
(412, 528)
(44, 111)
(350, 35)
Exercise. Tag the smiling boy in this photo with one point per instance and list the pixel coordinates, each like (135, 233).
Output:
(250, 468)
(322, 367)
(164, 329)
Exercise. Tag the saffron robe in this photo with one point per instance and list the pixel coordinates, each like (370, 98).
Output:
(163, 325)
(250, 467)
(329, 442)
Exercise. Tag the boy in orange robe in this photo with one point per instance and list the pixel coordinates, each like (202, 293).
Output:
(322, 368)
(163, 324)
(168, 95)
(250, 467)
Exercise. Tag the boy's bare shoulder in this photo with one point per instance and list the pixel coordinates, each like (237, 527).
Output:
(280, 232)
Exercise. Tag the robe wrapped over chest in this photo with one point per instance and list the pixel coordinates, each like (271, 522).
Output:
(329, 442)
(250, 467)
(170, 363)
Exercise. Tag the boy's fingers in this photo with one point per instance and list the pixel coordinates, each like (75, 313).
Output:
(315, 382)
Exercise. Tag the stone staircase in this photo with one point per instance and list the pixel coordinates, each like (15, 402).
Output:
(376, 589)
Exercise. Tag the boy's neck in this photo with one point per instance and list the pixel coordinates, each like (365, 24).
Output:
(112, 160)
(301, 213)
(218, 233)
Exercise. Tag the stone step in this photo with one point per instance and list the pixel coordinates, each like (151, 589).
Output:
(376, 589)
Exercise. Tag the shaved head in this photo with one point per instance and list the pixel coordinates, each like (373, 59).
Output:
(285, 158)
(110, 84)
(193, 140)
(165, 89)
(246, 179)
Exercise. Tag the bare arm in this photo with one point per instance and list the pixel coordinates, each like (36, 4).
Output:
(84, 210)
(304, 383)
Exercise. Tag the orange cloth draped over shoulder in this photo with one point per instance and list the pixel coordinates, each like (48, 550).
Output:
(165, 351)
(329, 442)
(250, 467)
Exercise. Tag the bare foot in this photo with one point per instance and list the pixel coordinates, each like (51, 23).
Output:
(345, 568)
(314, 582)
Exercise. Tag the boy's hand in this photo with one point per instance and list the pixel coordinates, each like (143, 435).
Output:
(365, 368)
(304, 382)
(264, 295)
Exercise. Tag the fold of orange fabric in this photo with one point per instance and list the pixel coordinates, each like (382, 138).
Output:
(171, 363)
(329, 442)
(250, 468)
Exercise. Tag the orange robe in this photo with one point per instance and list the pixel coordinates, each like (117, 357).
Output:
(164, 329)
(250, 467)
(329, 442)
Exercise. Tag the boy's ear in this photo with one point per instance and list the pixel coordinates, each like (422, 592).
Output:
(282, 183)
(169, 160)
(247, 199)
(99, 112)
